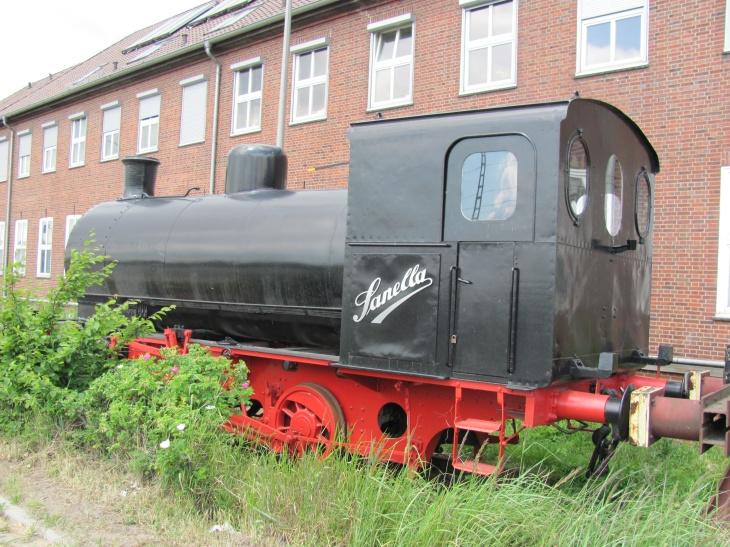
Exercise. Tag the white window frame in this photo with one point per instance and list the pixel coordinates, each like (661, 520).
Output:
(24, 161)
(612, 66)
(71, 221)
(5, 159)
(2, 246)
(490, 42)
(111, 134)
(149, 122)
(376, 30)
(49, 151)
(44, 247)
(299, 52)
(189, 82)
(20, 244)
(78, 142)
(722, 308)
(726, 49)
(248, 97)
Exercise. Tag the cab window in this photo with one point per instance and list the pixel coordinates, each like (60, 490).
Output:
(489, 186)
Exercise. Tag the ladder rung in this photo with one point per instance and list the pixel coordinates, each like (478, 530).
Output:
(473, 466)
(482, 426)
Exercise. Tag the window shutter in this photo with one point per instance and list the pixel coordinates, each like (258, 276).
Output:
(596, 8)
(51, 136)
(149, 107)
(112, 119)
(192, 119)
(24, 145)
(4, 147)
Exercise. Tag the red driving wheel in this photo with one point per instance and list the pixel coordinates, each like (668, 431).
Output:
(310, 417)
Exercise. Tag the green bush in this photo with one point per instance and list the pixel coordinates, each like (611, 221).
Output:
(47, 361)
(165, 410)
(160, 411)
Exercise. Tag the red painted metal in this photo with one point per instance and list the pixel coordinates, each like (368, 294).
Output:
(301, 404)
(581, 405)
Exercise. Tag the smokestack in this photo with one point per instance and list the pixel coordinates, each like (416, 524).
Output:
(140, 173)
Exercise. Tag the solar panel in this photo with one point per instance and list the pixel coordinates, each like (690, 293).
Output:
(228, 21)
(146, 52)
(225, 6)
(87, 75)
(169, 27)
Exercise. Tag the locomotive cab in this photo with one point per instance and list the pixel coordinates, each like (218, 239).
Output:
(508, 246)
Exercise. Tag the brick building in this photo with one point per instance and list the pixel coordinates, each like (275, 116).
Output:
(190, 88)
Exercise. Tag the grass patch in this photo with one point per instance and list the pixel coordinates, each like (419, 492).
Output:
(345, 500)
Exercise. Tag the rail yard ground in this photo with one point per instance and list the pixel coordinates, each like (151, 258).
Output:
(652, 497)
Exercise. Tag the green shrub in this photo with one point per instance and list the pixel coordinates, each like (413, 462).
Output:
(165, 411)
(46, 361)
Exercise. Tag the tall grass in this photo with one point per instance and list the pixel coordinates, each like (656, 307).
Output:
(345, 501)
(652, 497)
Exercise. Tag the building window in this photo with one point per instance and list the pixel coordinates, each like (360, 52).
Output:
(50, 140)
(309, 92)
(727, 27)
(71, 221)
(78, 141)
(723, 251)
(21, 246)
(489, 36)
(192, 116)
(4, 160)
(2, 245)
(248, 83)
(149, 121)
(24, 146)
(391, 64)
(611, 35)
(111, 121)
(45, 244)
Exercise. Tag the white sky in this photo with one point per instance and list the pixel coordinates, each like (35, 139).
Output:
(39, 37)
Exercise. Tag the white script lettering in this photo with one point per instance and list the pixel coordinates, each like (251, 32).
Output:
(413, 282)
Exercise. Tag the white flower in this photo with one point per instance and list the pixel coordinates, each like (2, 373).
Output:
(123, 493)
(120, 366)
(181, 427)
(165, 443)
(210, 407)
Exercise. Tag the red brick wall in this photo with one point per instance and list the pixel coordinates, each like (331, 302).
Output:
(679, 100)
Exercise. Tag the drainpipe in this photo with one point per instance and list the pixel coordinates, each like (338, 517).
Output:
(6, 235)
(284, 74)
(216, 96)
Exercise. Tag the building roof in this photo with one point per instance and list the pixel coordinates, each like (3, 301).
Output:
(214, 21)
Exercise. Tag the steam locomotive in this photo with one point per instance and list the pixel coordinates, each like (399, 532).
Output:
(485, 272)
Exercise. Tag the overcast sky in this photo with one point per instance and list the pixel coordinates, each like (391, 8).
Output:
(39, 37)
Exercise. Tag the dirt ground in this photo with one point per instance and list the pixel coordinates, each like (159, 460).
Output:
(86, 503)
(80, 520)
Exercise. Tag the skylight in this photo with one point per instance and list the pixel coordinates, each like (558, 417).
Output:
(227, 22)
(169, 27)
(149, 51)
(223, 7)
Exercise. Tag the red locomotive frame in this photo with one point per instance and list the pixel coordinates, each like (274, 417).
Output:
(302, 402)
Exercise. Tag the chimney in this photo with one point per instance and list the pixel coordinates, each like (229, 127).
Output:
(140, 173)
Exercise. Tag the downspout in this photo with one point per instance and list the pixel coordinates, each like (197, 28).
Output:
(214, 136)
(284, 76)
(6, 235)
